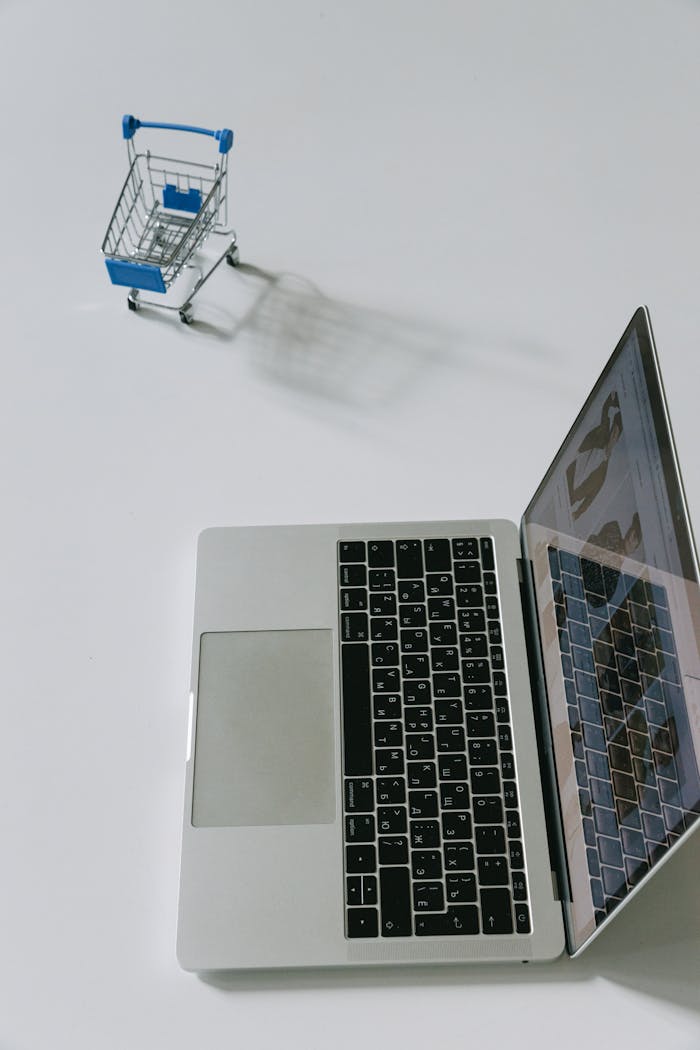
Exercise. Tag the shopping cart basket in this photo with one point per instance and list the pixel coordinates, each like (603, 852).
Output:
(165, 212)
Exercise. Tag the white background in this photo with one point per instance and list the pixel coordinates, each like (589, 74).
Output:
(483, 191)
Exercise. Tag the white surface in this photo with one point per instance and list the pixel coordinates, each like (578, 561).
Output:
(484, 191)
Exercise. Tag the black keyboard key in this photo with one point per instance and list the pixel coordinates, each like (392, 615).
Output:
(426, 864)
(459, 857)
(359, 828)
(496, 914)
(353, 600)
(389, 762)
(449, 712)
(425, 834)
(412, 591)
(471, 620)
(383, 629)
(387, 705)
(437, 555)
(478, 698)
(351, 550)
(412, 616)
(609, 851)
(485, 781)
(450, 738)
(391, 790)
(380, 554)
(482, 752)
(480, 724)
(469, 596)
(353, 889)
(363, 922)
(416, 692)
(490, 583)
(393, 850)
(385, 679)
(490, 840)
(439, 584)
(354, 627)
(415, 665)
(460, 889)
(422, 804)
(467, 572)
(382, 604)
(488, 810)
(428, 896)
(522, 918)
(392, 820)
(353, 576)
(409, 559)
(454, 796)
(516, 855)
(487, 558)
(357, 711)
(464, 549)
(441, 609)
(456, 827)
(507, 765)
(388, 734)
(385, 654)
(446, 685)
(443, 633)
(445, 658)
(359, 796)
(475, 672)
(360, 859)
(414, 640)
(452, 767)
(382, 580)
(422, 775)
(420, 746)
(519, 886)
(458, 921)
(395, 901)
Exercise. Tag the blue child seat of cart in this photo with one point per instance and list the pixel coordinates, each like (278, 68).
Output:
(135, 275)
(179, 201)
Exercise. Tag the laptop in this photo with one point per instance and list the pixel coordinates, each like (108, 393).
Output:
(440, 742)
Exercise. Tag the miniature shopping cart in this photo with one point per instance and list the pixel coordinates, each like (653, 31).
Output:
(165, 212)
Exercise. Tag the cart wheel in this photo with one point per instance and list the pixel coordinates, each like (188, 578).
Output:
(133, 304)
(233, 258)
(186, 316)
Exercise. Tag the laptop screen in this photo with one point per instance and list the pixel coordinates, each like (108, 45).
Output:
(616, 585)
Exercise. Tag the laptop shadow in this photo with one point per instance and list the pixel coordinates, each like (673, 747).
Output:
(651, 948)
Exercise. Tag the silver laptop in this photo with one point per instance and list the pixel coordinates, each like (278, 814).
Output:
(449, 741)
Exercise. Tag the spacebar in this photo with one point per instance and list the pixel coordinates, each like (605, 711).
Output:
(357, 709)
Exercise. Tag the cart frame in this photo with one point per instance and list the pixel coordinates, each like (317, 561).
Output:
(166, 210)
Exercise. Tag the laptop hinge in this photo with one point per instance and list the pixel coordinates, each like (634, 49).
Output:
(561, 883)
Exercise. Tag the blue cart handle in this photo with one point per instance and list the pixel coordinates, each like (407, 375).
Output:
(130, 126)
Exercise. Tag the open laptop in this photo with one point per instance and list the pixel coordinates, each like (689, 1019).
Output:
(447, 741)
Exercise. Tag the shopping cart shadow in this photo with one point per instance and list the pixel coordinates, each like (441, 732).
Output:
(329, 351)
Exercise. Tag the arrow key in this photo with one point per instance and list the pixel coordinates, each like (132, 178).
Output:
(496, 914)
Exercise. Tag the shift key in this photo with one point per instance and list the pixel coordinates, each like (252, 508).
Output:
(395, 900)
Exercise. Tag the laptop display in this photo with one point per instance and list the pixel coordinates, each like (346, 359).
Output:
(616, 583)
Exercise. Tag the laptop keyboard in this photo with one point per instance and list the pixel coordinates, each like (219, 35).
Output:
(623, 685)
(433, 842)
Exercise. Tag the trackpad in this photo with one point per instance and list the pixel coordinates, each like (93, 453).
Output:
(264, 744)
